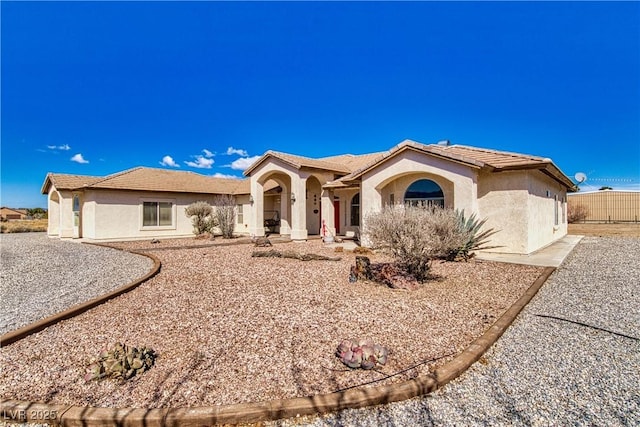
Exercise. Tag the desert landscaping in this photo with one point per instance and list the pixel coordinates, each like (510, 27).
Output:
(230, 328)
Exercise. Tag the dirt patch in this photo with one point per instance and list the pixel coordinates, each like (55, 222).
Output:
(606, 230)
(24, 226)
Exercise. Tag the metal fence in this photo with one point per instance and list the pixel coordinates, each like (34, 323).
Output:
(608, 205)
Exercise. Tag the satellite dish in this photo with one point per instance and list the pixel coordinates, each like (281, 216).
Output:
(580, 177)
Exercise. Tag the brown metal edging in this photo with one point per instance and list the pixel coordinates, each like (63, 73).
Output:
(477, 348)
(32, 328)
(286, 408)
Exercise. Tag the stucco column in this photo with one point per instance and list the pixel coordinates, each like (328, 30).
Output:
(328, 212)
(66, 214)
(370, 202)
(298, 207)
(285, 216)
(257, 208)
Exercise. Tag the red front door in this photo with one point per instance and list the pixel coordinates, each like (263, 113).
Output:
(336, 215)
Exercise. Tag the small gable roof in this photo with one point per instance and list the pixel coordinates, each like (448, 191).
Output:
(344, 163)
(297, 162)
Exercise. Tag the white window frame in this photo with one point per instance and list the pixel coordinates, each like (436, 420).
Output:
(158, 201)
(239, 213)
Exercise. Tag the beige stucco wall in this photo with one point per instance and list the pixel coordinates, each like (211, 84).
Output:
(503, 201)
(117, 215)
(243, 227)
(517, 204)
(544, 193)
(458, 182)
(313, 205)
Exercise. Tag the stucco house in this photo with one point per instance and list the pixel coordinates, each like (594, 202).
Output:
(8, 214)
(523, 196)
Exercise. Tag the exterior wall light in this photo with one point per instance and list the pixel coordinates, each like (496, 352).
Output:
(250, 199)
(293, 197)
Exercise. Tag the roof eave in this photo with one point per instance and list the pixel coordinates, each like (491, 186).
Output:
(548, 168)
(264, 157)
(46, 184)
(554, 172)
(337, 185)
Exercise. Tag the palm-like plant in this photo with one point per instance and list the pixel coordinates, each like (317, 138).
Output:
(474, 238)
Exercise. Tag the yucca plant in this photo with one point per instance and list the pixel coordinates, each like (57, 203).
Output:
(474, 239)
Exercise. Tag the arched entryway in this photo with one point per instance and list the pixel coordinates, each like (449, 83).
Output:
(424, 193)
(53, 212)
(275, 203)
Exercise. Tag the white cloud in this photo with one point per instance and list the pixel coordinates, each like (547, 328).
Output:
(168, 161)
(237, 151)
(201, 163)
(222, 175)
(79, 159)
(243, 162)
(208, 154)
(64, 147)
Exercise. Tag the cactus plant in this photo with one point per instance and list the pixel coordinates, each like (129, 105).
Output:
(362, 354)
(122, 362)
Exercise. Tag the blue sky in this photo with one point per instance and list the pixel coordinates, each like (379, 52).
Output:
(94, 88)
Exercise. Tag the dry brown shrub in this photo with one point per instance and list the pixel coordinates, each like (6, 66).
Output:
(25, 226)
(414, 235)
(576, 213)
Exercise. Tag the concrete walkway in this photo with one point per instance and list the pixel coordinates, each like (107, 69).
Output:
(550, 256)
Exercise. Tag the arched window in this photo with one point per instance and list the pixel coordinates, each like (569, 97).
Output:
(355, 210)
(424, 193)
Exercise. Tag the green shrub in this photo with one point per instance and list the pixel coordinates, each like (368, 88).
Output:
(201, 217)
(474, 239)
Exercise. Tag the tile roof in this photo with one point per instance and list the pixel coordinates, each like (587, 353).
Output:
(354, 162)
(299, 162)
(489, 158)
(345, 163)
(480, 158)
(150, 179)
(67, 182)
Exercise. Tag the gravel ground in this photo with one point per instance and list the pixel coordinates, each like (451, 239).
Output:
(40, 276)
(545, 371)
(230, 328)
